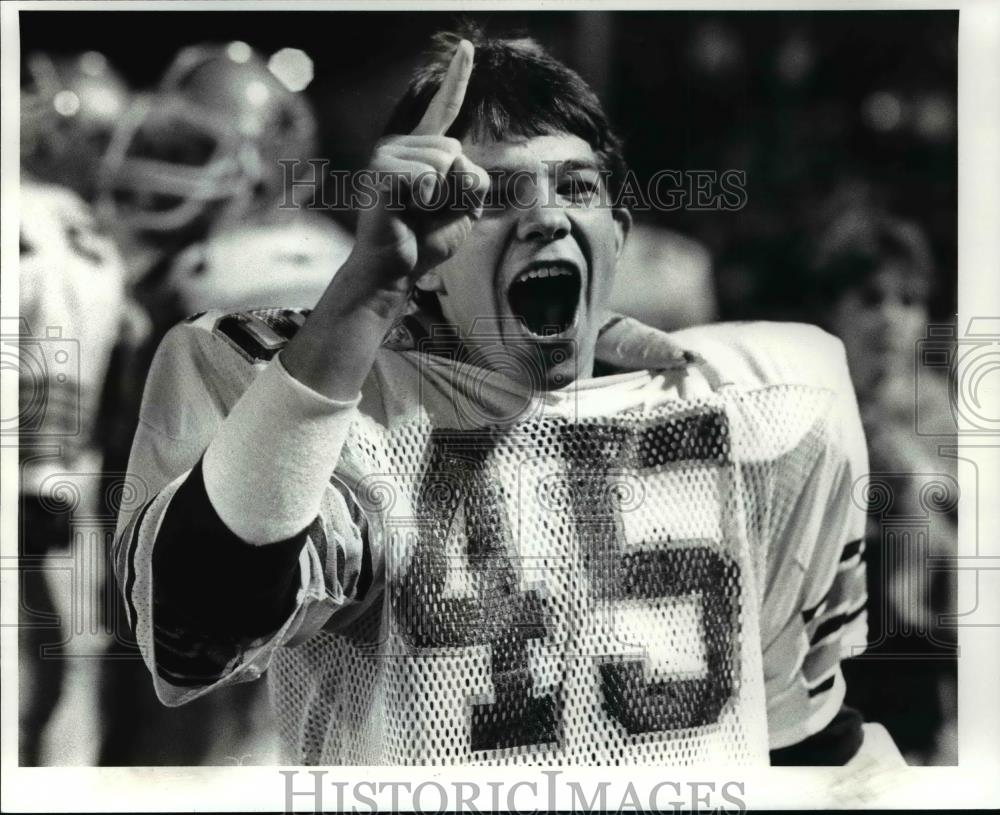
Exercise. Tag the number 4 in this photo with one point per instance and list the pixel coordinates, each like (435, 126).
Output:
(508, 619)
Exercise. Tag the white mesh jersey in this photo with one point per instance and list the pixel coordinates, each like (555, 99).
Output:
(654, 566)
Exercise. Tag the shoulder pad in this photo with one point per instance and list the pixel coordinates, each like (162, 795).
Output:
(205, 363)
(256, 335)
(758, 354)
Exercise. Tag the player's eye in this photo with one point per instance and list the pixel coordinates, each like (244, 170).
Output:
(581, 188)
(501, 193)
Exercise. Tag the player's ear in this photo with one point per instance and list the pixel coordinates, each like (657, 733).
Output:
(623, 225)
(431, 281)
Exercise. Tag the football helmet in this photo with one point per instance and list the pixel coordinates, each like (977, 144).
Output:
(69, 108)
(205, 146)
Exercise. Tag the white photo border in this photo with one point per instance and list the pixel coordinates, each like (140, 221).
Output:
(975, 782)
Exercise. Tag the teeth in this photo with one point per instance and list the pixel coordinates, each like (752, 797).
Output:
(545, 271)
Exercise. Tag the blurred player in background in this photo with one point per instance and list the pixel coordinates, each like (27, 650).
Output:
(665, 279)
(193, 183)
(72, 295)
(193, 186)
(201, 155)
(869, 283)
(259, 263)
(74, 310)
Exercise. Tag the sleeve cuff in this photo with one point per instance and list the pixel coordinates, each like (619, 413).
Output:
(208, 580)
(267, 468)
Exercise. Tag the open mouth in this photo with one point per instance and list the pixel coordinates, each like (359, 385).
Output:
(545, 297)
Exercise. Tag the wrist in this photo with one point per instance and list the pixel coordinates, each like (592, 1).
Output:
(335, 349)
(376, 282)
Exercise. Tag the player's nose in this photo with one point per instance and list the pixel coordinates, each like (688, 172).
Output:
(543, 220)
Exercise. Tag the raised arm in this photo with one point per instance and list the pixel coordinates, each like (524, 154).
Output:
(245, 534)
(297, 414)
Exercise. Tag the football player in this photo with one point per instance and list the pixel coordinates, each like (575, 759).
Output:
(193, 185)
(73, 284)
(462, 514)
(72, 311)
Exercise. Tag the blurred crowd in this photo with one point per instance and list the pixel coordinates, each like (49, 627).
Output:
(145, 200)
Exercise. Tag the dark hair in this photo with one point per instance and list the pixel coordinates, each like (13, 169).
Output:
(856, 245)
(517, 90)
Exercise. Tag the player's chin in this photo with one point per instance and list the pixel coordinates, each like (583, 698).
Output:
(560, 365)
(543, 362)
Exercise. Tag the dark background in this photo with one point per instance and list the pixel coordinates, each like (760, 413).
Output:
(792, 98)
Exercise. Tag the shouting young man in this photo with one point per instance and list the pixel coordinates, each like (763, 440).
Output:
(462, 514)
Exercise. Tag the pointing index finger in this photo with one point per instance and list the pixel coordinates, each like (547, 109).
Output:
(447, 102)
